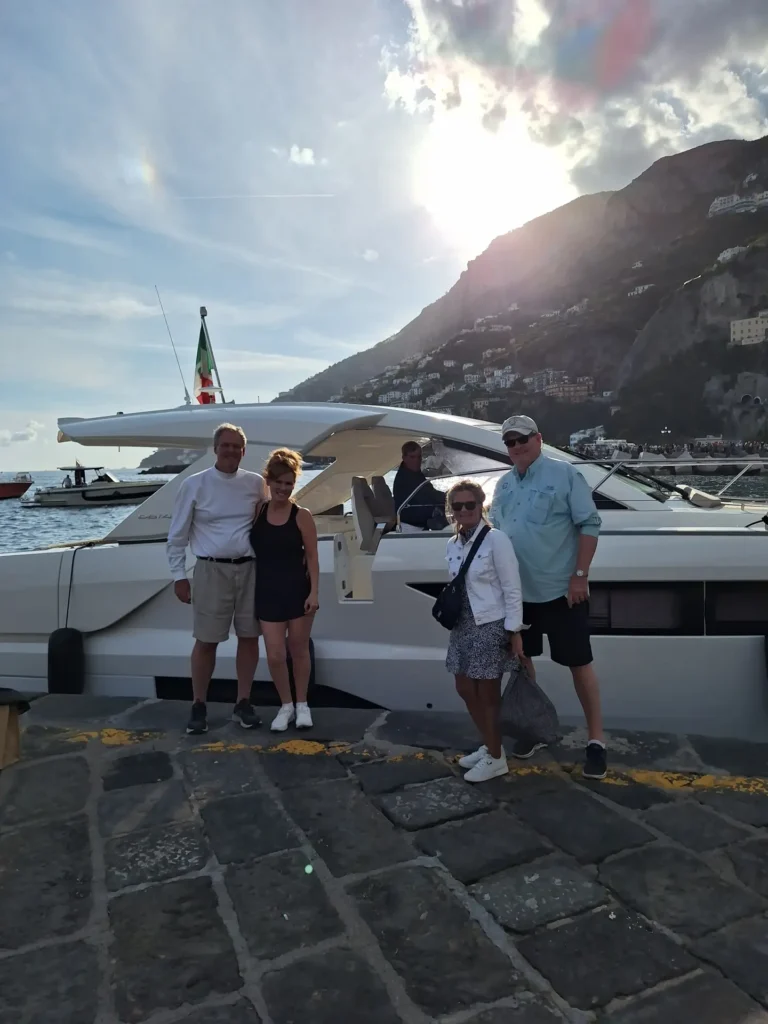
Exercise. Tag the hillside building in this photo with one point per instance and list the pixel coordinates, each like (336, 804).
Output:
(751, 331)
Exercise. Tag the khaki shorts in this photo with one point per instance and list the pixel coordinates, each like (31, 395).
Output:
(223, 593)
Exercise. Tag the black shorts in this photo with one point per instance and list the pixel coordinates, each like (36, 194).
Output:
(567, 630)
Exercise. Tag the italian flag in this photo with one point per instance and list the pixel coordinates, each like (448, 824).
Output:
(204, 387)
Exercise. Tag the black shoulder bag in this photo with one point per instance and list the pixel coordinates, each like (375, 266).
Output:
(447, 607)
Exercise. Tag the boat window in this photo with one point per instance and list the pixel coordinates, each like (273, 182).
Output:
(737, 609)
(647, 609)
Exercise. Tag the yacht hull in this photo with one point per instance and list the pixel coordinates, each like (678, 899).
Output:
(656, 672)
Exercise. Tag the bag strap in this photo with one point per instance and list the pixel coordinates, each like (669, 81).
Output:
(473, 551)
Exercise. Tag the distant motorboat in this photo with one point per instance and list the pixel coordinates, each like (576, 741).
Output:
(15, 487)
(104, 489)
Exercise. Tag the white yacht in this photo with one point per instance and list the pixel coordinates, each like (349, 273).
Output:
(103, 489)
(679, 601)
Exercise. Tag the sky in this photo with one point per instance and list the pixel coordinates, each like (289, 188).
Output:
(314, 173)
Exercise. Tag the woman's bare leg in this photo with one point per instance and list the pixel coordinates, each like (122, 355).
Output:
(489, 704)
(274, 641)
(467, 690)
(298, 646)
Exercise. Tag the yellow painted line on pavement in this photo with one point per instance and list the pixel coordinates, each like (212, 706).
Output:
(111, 737)
(679, 782)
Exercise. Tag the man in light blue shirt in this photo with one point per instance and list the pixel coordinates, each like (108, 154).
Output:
(545, 507)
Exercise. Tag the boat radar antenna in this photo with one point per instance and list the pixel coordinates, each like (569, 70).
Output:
(187, 399)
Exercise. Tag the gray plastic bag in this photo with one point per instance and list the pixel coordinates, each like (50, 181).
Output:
(527, 713)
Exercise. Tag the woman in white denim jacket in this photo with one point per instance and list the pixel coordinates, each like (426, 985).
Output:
(486, 637)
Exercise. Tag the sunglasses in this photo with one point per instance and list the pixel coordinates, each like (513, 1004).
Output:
(470, 506)
(510, 442)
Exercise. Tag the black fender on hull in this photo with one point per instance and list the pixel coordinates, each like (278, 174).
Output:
(66, 661)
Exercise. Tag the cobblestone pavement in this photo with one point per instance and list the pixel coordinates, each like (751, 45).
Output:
(147, 877)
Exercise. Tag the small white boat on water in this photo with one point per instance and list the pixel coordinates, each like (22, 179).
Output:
(103, 489)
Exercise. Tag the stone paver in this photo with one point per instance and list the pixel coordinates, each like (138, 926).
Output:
(335, 986)
(170, 948)
(625, 791)
(427, 935)
(573, 957)
(633, 749)
(66, 707)
(214, 773)
(676, 889)
(155, 855)
(750, 862)
(581, 826)
(434, 802)
(240, 1012)
(57, 985)
(749, 808)
(526, 1010)
(734, 756)
(394, 773)
(202, 875)
(482, 845)
(526, 783)
(242, 828)
(47, 740)
(138, 770)
(290, 770)
(281, 907)
(705, 999)
(694, 826)
(45, 882)
(45, 789)
(741, 953)
(140, 807)
(347, 831)
(430, 731)
(527, 897)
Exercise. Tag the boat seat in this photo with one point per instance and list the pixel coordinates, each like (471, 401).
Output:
(373, 516)
(384, 498)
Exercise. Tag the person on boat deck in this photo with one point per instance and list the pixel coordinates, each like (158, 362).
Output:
(486, 637)
(415, 517)
(213, 513)
(284, 540)
(545, 507)
(67, 481)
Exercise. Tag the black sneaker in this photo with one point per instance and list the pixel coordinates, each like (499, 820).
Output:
(523, 749)
(198, 720)
(595, 762)
(245, 715)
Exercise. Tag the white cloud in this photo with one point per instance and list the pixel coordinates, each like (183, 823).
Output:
(304, 156)
(29, 433)
(370, 255)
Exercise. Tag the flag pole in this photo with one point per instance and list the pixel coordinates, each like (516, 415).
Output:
(203, 315)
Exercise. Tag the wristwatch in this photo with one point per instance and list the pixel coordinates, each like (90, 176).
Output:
(580, 573)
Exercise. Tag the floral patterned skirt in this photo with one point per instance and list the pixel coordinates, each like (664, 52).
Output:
(479, 652)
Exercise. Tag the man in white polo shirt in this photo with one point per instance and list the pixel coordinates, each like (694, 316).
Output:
(213, 514)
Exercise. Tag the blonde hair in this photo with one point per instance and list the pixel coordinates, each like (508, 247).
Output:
(473, 488)
(282, 460)
(223, 428)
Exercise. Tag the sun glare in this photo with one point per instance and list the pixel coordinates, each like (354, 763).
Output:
(477, 184)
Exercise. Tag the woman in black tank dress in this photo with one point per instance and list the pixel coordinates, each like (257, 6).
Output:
(284, 540)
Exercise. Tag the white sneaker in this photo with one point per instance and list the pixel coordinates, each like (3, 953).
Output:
(470, 760)
(488, 768)
(283, 718)
(303, 716)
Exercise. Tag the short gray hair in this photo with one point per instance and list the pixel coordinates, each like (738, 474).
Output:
(223, 428)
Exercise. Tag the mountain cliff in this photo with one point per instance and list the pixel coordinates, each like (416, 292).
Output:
(639, 266)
